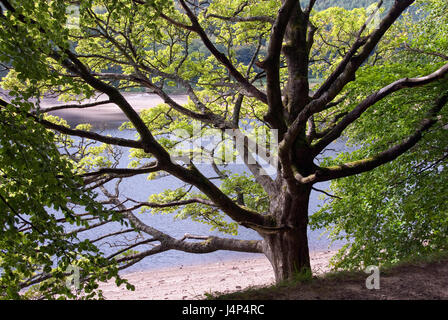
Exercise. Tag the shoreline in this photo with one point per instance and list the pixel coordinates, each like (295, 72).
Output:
(193, 282)
(108, 115)
(194, 263)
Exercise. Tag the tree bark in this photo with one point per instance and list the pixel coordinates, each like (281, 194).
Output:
(287, 250)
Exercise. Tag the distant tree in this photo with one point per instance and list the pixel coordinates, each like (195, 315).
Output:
(383, 88)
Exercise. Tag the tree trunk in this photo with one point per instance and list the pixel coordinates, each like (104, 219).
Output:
(287, 250)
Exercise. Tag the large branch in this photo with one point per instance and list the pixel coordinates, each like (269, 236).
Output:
(192, 176)
(346, 73)
(371, 100)
(238, 213)
(209, 243)
(243, 81)
(359, 42)
(356, 167)
(271, 64)
(81, 133)
(75, 106)
(211, 118)
(266, 19)
(278, 30)
(170, 204)
(222, 58)
(206, 116)
(113, 173)
(150, 145)
(74, 65)
(245, 147)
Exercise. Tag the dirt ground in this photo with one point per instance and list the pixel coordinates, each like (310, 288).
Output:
(195, 281)
(252, 279)
(418, 281)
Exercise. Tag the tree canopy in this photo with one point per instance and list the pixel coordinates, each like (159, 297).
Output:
(398, 210)
(247, 69)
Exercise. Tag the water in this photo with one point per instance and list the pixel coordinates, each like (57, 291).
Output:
(139, 188)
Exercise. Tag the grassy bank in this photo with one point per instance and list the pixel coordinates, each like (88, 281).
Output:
(416, 278)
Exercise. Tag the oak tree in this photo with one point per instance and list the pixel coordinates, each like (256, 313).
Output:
(382, 85)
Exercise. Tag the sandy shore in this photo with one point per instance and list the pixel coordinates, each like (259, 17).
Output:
(192, 282)
(107, 113)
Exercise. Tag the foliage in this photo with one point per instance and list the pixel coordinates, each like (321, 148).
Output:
(220, 55)
(38, 188)
(399, 209)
